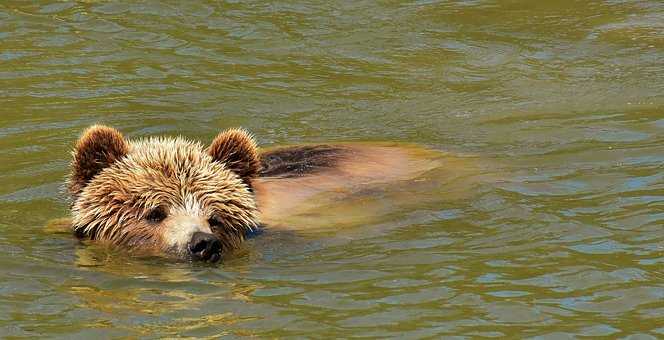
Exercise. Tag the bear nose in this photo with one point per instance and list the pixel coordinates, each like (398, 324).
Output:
(205, 247)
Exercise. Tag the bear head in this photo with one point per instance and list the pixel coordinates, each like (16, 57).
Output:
(164, 196)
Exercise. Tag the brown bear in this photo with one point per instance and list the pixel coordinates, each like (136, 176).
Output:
(173, 197)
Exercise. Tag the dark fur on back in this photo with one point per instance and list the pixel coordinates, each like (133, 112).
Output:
(300, 160)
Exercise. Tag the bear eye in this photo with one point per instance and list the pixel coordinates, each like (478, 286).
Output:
(215, 222)
(156, 215)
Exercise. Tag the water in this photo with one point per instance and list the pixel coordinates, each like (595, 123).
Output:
(567, 97)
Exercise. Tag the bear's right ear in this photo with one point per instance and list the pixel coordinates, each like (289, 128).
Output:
(98, 148)
(237, 150)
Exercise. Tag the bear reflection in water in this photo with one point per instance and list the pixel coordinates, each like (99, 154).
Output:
(176, 198)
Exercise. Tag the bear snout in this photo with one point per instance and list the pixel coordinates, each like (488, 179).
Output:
(205, 247)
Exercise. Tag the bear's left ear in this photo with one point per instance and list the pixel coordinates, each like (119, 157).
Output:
(98, 148)
(237, 150)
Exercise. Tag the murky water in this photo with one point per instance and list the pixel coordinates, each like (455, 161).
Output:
(567, 97)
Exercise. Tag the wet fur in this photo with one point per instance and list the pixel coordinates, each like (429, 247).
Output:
(297, 161)
(115, 183)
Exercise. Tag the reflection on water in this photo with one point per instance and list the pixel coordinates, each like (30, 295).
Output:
(560, 100)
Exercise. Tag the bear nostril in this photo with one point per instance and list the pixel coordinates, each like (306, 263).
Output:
(204, 246)
(198, 247)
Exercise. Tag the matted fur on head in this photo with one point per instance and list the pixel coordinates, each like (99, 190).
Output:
(166, 196)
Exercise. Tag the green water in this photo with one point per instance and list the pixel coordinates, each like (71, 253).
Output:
(567, 97)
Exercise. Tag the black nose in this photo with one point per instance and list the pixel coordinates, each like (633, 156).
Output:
(205, 247)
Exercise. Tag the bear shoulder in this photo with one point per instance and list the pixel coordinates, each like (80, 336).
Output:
(305, 180)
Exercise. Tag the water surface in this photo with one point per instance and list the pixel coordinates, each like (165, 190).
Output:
(567, 97)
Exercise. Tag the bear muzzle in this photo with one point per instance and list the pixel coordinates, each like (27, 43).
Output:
(204, 247)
